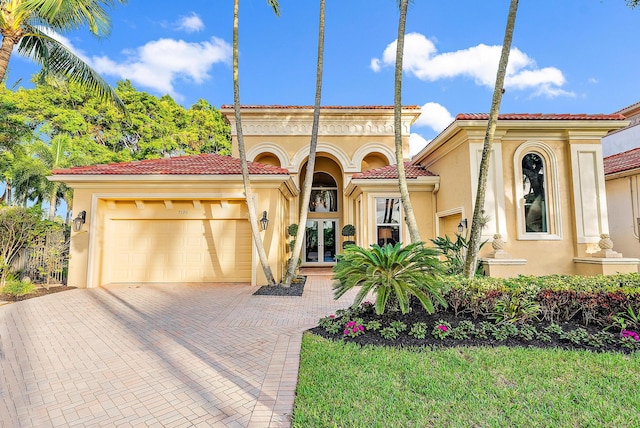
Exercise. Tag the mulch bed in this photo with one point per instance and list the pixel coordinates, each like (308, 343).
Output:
(39, 292)
(296, 289)
(418, 314)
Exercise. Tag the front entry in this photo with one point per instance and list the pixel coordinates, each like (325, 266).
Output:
(320, 242)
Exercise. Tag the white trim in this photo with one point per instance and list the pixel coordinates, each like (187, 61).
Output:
(270, 148)
(373, 221)
(494, 204)
(591, 215)
(552, 178)
(345, 162)
(447, 213)
(370, 148)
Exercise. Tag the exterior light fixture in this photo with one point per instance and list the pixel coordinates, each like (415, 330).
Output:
(79, 221)
(462, 225)
(264, 221)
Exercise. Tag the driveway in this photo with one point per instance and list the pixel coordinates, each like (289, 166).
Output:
(156, 355)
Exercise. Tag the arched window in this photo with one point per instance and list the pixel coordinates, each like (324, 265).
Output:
(535, 196)
(324, 194)
(537, 192)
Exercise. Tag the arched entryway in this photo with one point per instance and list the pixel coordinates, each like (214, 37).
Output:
(322, 230)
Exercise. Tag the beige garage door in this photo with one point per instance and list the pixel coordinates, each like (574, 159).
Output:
(177, 251)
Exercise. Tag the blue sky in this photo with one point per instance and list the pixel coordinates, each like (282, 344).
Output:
(568, 56)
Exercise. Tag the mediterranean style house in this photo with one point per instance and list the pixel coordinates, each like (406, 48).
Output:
(184, 219)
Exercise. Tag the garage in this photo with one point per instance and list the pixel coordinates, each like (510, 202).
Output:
(144, 247)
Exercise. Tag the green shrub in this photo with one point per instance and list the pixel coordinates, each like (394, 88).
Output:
(17, 288)
(393, 273)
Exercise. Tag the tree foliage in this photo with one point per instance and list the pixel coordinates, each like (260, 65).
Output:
(29, 25)
(58, 124)
(18, 228)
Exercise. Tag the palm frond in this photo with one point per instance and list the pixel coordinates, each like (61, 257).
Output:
(56, 59)
(275, 6)
(65, 15)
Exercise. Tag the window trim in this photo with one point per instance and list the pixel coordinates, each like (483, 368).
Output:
(400, 224)
(554, 214)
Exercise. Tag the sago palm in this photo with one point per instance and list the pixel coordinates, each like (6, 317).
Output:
(29, 25)
(393, 273)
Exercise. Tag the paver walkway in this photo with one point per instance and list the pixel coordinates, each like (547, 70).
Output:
(156, 355)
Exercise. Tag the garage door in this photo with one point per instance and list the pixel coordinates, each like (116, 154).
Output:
(144, 250)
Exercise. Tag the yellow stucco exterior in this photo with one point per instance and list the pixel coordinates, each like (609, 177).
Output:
(194, 228)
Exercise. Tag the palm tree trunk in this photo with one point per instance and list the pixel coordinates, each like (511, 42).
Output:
(53, 201)
(253, 215)
(5, 54)
(308, 181)
(412, 224)
(471, 261)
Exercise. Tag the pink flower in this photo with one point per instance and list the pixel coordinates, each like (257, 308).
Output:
(361, 328)
(632, 334)
(355, 329)
(346, 331)
(332, 316)
(442, 327)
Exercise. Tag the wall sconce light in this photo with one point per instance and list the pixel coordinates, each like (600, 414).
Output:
(79, 221)
(462, 225)
(264, 221)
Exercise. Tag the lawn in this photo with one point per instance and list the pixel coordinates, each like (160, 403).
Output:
(347, 385)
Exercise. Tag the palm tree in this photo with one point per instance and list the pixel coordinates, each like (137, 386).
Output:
(53, 156)
(308, 181)
(28, 24)
(476, 225)
(253, 217)
(412, 225)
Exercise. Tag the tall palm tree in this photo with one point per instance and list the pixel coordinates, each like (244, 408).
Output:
(412, 224)
(308, 181)
(253, 215)
(476, 224)
(28, 24)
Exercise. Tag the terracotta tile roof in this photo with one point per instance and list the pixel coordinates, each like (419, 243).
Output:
(204, 164)
(292, 107)
(624, 161)
(391, 172)
(540, 116)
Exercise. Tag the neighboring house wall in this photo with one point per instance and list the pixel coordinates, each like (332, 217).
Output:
(623, 199)
(627, 138)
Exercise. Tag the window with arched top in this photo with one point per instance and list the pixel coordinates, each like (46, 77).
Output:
(537, 194)
(535, 197)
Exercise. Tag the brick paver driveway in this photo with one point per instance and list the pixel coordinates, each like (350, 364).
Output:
(155, 355)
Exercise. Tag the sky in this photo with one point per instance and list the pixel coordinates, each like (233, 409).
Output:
(568, 56)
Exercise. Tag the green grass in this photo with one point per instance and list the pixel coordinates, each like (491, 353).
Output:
(344, 385)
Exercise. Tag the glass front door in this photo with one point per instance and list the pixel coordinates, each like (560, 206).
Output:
(320, 242)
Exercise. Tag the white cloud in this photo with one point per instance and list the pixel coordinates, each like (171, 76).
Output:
(190, 24)
(416, 143)
(159, 63)
(480, 63)
(435, 116)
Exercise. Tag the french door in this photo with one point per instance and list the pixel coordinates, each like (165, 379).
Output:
(320, 242)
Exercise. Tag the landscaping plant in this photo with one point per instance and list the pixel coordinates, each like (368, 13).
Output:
(393, 273)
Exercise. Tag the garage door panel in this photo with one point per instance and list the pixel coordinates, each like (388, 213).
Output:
(177, 251)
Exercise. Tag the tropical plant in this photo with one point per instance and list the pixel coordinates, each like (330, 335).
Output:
(311, 161)
(471, 260)
(454, 253)
(253, 215)
(393, 273)
(412, 224)
(17, 230)
(17, 288)
(31, 26)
